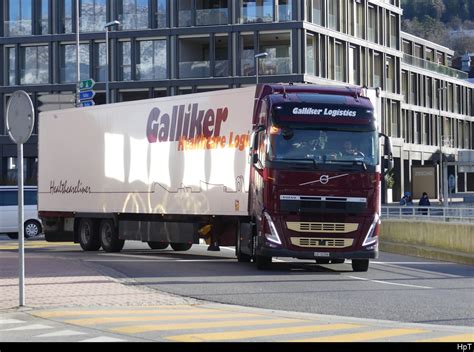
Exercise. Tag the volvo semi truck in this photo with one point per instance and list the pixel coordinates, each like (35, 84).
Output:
(278, 170)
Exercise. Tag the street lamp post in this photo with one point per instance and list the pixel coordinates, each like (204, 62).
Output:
(106, 27)
(258, 56)
(441, 147)
(78, 64)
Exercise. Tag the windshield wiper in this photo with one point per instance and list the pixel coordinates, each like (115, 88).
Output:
(302, 161)
(353, 162)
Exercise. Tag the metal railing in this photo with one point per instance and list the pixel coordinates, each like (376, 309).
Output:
(432, 66)
(431, 213)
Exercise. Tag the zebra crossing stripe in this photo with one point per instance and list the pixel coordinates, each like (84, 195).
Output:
(363, 336)
(246, 334)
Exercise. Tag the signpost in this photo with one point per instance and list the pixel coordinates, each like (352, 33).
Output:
(20, 118)
(56, 102)
(86, 93)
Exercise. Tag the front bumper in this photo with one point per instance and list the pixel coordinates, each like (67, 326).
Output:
(283, 252)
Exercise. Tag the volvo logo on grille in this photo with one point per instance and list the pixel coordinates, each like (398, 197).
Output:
(324, 179)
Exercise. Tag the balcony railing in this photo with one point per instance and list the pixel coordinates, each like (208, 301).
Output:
(432, 66)
(18, 28)
(194, 69)
(256, 14)
(272, 66)
(208, 17)
(148, 71)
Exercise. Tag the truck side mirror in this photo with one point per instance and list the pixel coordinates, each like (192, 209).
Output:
(388, 162)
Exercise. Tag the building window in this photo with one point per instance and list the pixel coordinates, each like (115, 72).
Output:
(247, 53)
(194, 57)
(11, 66)
(68, 71)
(340, 62)
(257, 11)
(34, 64)
(354, 65)
(133, 14)
(284, 10)
(125, 54)
(100, 62)
(20, 18)
(372, 24)
(185, 8)
(221, 56)
(314, 11)
(278, 47)
(65, 16)
(310, 55)
(152, 60)
(405, 86)
(394, 32)
(390, 72)
(93, 15)
(360, 19)
(161, 14)
(333, 14)
(211, 12)
(377, 70)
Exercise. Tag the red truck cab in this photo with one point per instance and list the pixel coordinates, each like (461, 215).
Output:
(315, 176)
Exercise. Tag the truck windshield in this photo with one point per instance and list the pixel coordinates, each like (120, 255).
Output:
(323, 146)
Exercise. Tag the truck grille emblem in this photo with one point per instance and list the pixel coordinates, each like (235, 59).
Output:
(324, 179)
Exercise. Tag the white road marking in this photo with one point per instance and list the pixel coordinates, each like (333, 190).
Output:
(29, 327)
(386, 282)
(11, 321)
(103, 339)
(62, 333)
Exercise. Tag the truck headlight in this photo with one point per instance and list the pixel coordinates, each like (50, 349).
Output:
(273, 235)
(372, 234)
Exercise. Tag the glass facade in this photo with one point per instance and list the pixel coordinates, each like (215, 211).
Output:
(133, 14)
(93, 15)
(68, 72)
(34, 64)
(152, 60)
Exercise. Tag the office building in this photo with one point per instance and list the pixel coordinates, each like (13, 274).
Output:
(177, 47)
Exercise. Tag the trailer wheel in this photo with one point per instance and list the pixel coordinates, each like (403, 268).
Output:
(181, 247)
(109, 237)
(359, 265)
(89, 235)
(262, 262)
(158, 245)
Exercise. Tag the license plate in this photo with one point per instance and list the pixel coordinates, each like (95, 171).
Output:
(321, 254)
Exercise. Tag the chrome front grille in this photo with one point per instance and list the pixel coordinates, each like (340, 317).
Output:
(309, 242)
(318, 227)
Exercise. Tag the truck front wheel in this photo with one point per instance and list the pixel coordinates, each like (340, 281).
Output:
(109, 237)
(88, 235)
(359, 265)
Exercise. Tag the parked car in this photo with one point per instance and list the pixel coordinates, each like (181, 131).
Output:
(9, 211)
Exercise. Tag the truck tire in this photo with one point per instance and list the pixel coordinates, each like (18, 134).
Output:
(32, 228)
(241, 257)
(89, 235)
(181, 247)
(158, 245)
(109, 237)
(360, 265)
(263, 262)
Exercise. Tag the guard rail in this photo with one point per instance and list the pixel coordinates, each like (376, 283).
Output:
(431, 213)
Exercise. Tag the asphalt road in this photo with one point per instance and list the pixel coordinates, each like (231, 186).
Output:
(396, 288)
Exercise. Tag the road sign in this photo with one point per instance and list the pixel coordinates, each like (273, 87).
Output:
(20, 121)
(57, 98)
(20, 117)
(87, 84)
(87, 103)
(86, 95)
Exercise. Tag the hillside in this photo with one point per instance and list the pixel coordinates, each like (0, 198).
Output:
(446, 22)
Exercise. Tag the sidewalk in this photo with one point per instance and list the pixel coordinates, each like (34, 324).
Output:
(52, 282)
